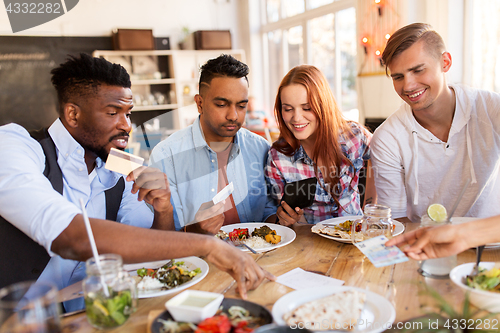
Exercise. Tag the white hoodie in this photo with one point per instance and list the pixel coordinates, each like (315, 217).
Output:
(414, 169)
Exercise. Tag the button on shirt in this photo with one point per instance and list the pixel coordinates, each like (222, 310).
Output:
(192, 170)
(29, 202)
(282, 169)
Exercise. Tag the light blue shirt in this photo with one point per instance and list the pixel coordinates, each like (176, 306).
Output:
(29, 202)
(192, 171)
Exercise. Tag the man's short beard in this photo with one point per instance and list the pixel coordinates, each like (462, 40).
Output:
(99, 151)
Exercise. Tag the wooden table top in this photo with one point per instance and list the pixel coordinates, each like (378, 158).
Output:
(398, 283)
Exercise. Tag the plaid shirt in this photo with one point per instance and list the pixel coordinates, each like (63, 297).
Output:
(281, 169)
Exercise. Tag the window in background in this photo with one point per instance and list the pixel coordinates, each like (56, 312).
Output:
(275, 72)
(323, 46)
(318, 3)
(293, 7)
(273, 10)
(325, 38)
(295, 47)
(346, 52)
(485, 71)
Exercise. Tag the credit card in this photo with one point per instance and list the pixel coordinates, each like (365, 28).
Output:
(223, 194)
(122, 162)
(379, 254)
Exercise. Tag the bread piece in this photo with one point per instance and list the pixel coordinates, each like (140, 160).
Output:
(331, 231)
(339, 311)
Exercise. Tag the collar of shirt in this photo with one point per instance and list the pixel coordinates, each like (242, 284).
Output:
(200, 142)
(68, 147)
(300, 154)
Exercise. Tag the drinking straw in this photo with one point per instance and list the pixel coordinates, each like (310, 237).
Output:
(93, 246)
(458, 199)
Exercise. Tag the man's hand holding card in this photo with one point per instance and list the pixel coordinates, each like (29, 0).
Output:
(210, 216)
(150, 183)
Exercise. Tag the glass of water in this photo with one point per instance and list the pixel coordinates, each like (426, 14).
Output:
(29, 307)
(439, 268)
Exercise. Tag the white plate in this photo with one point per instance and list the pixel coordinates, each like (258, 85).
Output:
(190, 262)
(287, 234)
(377, 310)
(398, 230)
(459, 220)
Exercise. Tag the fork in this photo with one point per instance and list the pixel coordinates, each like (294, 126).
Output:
(475, 270)
(238, 243)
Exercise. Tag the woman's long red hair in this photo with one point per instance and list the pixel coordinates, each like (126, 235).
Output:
(331, 124)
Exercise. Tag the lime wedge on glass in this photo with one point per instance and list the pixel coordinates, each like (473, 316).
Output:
(437, 213)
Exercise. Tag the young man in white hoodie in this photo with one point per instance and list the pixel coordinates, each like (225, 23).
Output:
(442, 136)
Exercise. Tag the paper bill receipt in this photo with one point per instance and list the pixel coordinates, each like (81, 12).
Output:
(122, 162)
(379, 254)
(223, 194)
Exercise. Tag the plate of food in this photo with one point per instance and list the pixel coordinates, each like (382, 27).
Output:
(240, 315)
(339, 228)
(261, 237)
(159, 278)
(335, 308)
(484, 288)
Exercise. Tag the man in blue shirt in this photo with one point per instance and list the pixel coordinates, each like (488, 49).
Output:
(95, 103)
(215, 151)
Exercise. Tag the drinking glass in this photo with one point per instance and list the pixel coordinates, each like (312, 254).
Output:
(439, 268)
(110, 293)
(29, 307)
(375, 222)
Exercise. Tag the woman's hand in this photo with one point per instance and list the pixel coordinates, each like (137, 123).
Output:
(287, 215)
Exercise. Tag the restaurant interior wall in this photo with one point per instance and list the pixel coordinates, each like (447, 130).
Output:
(243, 18)
(167, 18)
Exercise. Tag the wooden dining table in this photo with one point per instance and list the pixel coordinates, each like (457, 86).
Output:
(401, 283)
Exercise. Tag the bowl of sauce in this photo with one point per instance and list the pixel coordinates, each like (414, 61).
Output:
(194, 305)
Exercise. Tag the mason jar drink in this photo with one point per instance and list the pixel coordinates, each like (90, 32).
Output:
(376, 221)
(110, 293)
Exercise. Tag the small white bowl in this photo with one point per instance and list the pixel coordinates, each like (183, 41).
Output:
(194, 305)
(486, 300)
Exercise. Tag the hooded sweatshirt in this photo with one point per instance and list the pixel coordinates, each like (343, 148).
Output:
(413, 168)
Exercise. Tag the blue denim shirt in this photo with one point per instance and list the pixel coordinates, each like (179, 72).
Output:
(192, 171)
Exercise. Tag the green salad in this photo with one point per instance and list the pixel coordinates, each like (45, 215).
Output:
(109, 311)
(488, 280)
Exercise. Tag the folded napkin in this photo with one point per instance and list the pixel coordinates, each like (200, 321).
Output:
(300, 279)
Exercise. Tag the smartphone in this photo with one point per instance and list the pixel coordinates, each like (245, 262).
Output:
(300, 193)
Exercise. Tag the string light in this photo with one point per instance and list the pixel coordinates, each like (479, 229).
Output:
(387, 36)
(366, 42)
(379, 5)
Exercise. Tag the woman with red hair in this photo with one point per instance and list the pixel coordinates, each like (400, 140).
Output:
(316, 141)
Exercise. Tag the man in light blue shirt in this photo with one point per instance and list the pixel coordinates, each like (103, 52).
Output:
(214, 151)
(95, 103)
